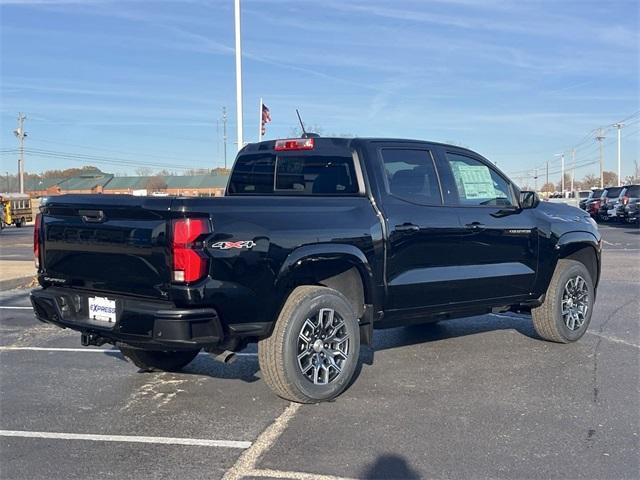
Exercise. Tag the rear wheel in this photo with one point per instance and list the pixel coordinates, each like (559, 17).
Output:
(154, 360)
(312, 353)
(566, 312)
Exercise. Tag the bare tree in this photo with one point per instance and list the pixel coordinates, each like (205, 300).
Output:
(156, 184)
(590, 181)
(197, 171)
(548, 187)
(143, 171)
(610, 178)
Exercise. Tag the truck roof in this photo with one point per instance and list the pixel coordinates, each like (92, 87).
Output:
(345, 142)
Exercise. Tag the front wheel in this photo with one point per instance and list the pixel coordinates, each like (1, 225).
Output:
(566, 312)
(154, 360)
(312, 353)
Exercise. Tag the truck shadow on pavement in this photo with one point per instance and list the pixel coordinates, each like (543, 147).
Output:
(433, 332)
(246, 367)
(390, 466)
(243, 368)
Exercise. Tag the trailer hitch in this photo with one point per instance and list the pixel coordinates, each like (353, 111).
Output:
(88, 339)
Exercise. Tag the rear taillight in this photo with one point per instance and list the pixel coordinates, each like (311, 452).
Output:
(189, 260)
(294, 144)
(36, 240)
(625, 200)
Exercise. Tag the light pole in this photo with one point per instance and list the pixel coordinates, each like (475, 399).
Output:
(573, 168)
(224, 134)
(20, 135)
(619, 127)
(239, 118)
(561, 155)
(600, 137)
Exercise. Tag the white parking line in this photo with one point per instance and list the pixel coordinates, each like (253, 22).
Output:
(59, 349)
(613, 339)
(3, 307)
(200, 442)
(90, 350)
(246, 465)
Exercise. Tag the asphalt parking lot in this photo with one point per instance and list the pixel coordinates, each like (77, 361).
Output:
(471, 398)
(16, 243)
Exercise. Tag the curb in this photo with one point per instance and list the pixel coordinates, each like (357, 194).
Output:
(20, 282)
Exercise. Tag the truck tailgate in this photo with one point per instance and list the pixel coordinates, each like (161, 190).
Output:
(110, 243)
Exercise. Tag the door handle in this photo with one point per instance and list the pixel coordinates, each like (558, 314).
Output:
(476, 226)
(407, 227)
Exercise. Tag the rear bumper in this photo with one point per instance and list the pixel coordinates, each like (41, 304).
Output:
(143, 323)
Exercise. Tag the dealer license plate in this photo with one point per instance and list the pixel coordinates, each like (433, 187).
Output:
(102, 309)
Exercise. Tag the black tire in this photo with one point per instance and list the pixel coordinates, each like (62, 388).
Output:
(278, 354)
(155, 360)
(548, 319)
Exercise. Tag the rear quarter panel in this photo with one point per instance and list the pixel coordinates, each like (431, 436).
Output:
(246, 285)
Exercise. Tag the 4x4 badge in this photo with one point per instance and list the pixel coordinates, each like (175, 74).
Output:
(227, 245)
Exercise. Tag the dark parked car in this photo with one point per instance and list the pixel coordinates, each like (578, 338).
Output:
(317, 242)
(634, 212)
(608, 199)
(627, 206)
(592, 205)
(583, 196)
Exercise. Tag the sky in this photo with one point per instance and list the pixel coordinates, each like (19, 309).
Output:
(126, 83)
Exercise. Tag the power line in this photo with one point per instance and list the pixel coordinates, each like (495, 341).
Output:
(135, 154)
(102, 160)
(584, 143)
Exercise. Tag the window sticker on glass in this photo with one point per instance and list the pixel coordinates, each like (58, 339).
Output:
(475, 180)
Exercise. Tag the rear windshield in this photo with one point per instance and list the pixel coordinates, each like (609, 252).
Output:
(596, 193)
(613, 192)
(633, 191)
(266, 173)
(584, 194)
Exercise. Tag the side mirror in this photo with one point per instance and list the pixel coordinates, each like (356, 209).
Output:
(529, 199)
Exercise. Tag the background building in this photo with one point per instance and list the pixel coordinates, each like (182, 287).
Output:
(209, 185)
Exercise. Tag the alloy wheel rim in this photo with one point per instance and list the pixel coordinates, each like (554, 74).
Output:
(323, 347)
(575, 303)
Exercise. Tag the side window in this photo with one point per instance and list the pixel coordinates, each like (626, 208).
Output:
(478, 184)
(411, 175)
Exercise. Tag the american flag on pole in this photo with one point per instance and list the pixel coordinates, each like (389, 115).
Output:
(266, 118)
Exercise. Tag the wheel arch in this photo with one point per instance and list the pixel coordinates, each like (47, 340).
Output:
(342, 267)
(584, 248)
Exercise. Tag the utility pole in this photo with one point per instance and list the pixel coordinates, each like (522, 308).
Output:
(239, 119)
(619, 127)
(600, 137)
(535, 180)
(561, 155)
(573, 168)
(20, 135)
(562, 175)
(547, 181)
(224, 134)
(217, 138)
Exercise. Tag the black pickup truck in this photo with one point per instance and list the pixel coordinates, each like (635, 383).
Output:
(317, 242)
